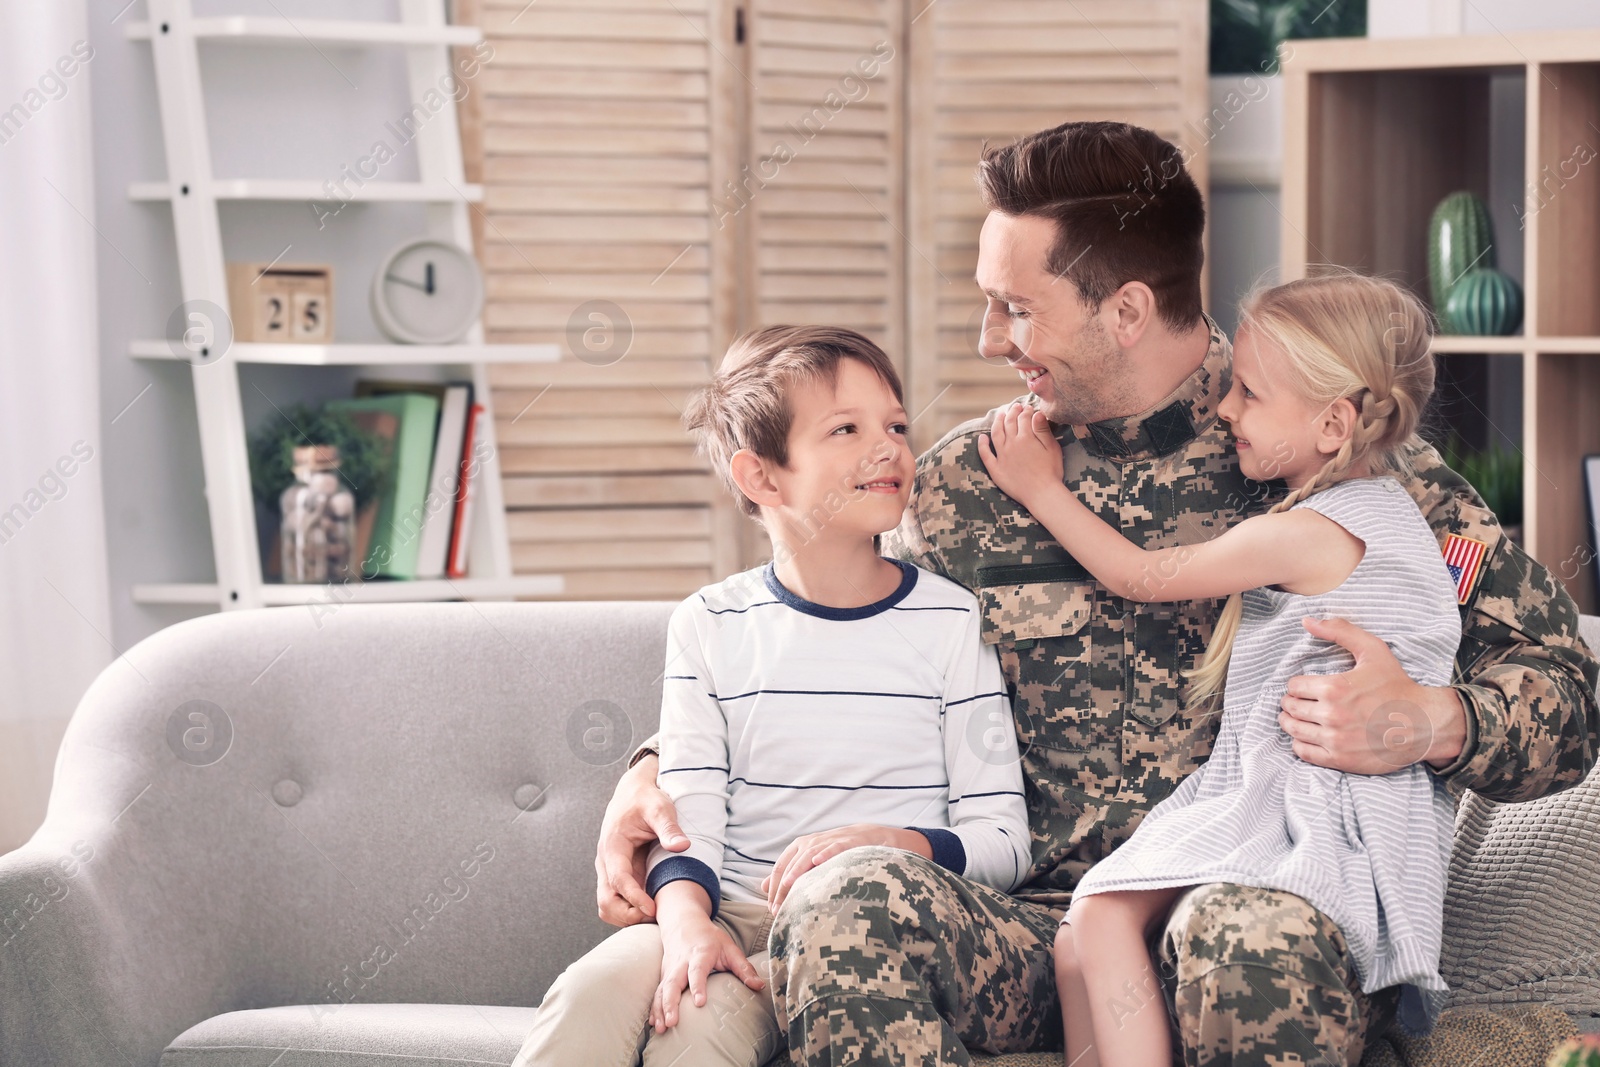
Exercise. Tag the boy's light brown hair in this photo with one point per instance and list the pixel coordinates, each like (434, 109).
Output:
(746, 405)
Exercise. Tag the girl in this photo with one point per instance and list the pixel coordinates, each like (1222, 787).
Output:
(1330, 376)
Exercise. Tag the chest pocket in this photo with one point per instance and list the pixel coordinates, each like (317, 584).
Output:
(1039, 615)
(1168, 638)
(1029, 602)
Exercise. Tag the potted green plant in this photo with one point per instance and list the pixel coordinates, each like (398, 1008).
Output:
(1496, 473)
(1245, 34)
(365, 463)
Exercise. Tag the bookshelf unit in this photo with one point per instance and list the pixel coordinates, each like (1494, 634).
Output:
(194, 193)
(1378, 131)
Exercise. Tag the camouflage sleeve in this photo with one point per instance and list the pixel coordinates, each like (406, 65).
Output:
(1527, 681)
(1525, 677)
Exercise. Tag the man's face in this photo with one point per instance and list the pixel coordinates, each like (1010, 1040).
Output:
(1036, 323)
(850, 467)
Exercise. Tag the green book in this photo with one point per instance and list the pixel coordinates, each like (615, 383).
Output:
(397, 529)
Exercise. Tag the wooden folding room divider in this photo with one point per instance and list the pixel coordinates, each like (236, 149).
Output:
(661, 175)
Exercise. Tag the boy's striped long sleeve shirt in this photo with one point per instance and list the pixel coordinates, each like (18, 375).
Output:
(781, 717)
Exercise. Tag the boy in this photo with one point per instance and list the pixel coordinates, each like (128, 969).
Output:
(828, 700)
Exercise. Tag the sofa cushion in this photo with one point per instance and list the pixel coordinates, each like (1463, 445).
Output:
(1522, 918)
(354, 1035)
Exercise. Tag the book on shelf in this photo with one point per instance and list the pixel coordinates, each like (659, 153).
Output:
(396, 526)
(434, 523)
(470, 472)
(387, 426)
(444, 482)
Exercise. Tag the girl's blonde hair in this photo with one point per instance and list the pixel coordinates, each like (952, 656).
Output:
(1343, 335)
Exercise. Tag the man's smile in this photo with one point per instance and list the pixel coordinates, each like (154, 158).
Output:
(1033, 377)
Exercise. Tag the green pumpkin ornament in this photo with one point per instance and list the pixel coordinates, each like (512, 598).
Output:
(1484, 302)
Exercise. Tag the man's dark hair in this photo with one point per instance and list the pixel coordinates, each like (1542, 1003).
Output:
(1125, 210)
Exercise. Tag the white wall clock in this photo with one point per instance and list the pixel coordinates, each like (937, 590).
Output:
(427, 292)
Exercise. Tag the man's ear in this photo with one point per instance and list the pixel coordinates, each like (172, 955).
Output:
(750, 474)
(1129, 312)
(1336, 424)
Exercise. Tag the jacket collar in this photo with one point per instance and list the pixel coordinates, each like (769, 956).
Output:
(1175, 420)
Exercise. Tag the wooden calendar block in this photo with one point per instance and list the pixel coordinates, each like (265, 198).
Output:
(280, 303)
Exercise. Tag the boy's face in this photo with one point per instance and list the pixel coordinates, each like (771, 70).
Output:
(850, 466)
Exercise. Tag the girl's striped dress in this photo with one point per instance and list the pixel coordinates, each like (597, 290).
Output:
(1370, 852)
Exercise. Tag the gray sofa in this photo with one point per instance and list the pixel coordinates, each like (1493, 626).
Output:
(361, 836)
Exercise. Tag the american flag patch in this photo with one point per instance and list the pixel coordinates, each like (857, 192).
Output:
(1463, 556)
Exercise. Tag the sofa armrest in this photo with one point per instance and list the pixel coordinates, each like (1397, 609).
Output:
(67, 995)
(111, 940)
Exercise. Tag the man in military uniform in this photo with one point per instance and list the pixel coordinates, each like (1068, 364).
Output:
(1090, 261)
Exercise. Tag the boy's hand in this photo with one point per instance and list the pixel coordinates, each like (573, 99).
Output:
(1020, 453)
(690, 950)
(806, 852)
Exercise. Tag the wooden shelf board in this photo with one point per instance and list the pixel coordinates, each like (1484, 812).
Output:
(1460, 52)
(1569, 346)
(1499, 345)
(338, 355)
(307, 189)
(1518, 345)
(276, 595)
(284, 31)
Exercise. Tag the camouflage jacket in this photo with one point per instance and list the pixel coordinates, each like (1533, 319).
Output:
(1096, 689)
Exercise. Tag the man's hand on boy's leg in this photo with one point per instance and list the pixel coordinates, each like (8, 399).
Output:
(638, 815)
(809, 850)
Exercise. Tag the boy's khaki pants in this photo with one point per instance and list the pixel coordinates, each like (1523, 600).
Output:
(598, 1012)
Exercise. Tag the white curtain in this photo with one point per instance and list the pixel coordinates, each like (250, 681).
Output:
(55, 611)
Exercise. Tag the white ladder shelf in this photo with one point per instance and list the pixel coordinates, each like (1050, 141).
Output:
(194, 192)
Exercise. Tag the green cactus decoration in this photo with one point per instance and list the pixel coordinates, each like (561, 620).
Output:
(1484, 302)
(1459, 238)
(1577, 1052)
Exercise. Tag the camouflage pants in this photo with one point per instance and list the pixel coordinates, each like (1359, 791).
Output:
(881, 957)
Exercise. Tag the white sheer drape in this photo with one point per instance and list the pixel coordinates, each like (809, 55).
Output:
(55, 613)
